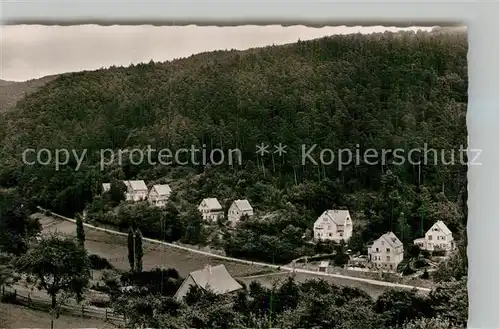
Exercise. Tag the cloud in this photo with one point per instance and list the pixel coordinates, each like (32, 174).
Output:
(33, 51)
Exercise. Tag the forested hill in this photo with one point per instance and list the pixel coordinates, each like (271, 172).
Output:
(380, 91)
(11, 91)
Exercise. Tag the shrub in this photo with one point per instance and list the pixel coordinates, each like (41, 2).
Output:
(9, 297)
(419, 263)
(99, 263)
(159, 281)
(101, 288)
(439, 253)
(100, 302)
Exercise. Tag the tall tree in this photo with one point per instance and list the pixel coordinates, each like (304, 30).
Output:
(138, 253)
(131, 248)
(80, 233)
(58, 265)
(16, 226)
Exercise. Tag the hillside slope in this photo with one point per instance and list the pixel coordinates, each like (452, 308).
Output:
(11, 92)
(381, 91)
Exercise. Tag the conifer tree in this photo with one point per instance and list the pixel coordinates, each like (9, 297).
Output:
(131, 251)
(138, 251)
(80, 233)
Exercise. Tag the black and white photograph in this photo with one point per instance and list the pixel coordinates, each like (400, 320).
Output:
(234, 177)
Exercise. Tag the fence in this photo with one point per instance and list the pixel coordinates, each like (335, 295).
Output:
(241, 261)
(14, 296)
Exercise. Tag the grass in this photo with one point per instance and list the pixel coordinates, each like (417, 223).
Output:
(16, 316)
(114, 248)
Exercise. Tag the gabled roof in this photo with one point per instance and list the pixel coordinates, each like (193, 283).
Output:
(392, 239)
(442, 227)
(212, 203)
(243, 205)
(106, 187)
(216, 279)
(337, 216)
(136, 185)
(162, 190)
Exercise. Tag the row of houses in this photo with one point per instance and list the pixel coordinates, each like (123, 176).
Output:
(211, 210)
(158, 195)
(137, 190)
(387, 251)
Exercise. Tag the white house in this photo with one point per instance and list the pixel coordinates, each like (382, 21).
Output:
(323, 266)
(159, 194)
(211, 209)
(438, 237)
(106, 187)
(136, 190)
(386, 252)
(238, 209)
(212, 278)
(334, 225)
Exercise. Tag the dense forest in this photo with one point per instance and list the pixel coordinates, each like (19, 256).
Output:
(379, 91)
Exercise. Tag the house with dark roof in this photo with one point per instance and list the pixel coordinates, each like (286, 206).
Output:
(386, 252)
(159, 194)
(333, 225)
(238, 209)
(215, 279)
(438, 237)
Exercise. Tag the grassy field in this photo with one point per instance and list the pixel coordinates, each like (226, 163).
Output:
(114, 248)
(16, 317)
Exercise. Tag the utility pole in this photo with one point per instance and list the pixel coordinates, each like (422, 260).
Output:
(271, 303)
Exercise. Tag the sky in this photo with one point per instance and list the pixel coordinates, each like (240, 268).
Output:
(34, 51)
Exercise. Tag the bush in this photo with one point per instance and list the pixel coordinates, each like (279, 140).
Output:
(425, 276)
(419, 263)
(439, 253)
(99, 263)
(425, 254)
(101, 288)
(10, 298)
(159, 281)
(100, 302)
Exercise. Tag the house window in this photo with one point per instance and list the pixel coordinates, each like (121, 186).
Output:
(329, 234)
(388, 250)
(376, 249)
(382, 243)
(388, 258)
(429, 237)
(390, 266)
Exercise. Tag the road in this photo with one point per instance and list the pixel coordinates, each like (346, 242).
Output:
(242, 261)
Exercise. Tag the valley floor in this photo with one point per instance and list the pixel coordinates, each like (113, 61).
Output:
(114, 248)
